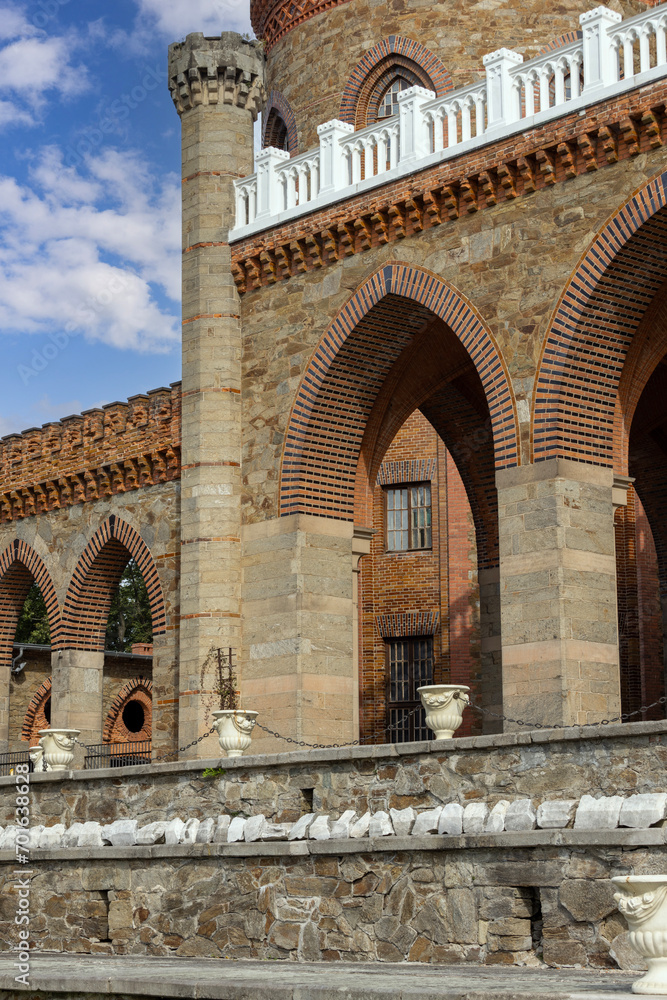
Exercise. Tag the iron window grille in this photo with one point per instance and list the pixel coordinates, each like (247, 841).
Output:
(409, 666)
(408, 517)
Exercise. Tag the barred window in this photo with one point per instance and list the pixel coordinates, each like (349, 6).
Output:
(409, 666)
(408, 510)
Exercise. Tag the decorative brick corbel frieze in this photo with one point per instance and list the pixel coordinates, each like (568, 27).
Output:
(609, 132)
(116, 449)
(630, 132)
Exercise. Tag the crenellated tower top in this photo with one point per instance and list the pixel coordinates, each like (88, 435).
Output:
(223, 70)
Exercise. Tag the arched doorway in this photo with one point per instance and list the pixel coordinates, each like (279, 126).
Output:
(598, 401)
(405, 342)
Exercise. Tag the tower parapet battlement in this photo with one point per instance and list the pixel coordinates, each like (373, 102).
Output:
(221, 70)
(611, 57)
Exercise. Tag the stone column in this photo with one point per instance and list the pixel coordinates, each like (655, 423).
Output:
(216, 85)
(560, 660)
(76, 692)
(297, 666)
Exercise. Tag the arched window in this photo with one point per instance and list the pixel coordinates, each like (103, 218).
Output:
(279, 125)
(388, 101)
(384, 71)
(276, 132)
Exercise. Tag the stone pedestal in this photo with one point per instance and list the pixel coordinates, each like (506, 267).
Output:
(76, 692)
(216, 84)
(298, 651)
(558, 593)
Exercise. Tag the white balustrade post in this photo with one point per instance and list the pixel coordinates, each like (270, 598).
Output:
(660, 43)
(600, 61)
(415, 140)
(333, 161)
(269, 200)
(501, 102)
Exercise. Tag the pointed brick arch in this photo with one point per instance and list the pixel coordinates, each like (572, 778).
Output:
(20, 566)
(35, 717)
(98, 571)
(347, 372)
(592, 330)
(386, 59)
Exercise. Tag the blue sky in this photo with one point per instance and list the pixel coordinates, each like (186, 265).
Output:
(90, 200)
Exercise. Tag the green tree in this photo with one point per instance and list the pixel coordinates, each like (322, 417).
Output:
(33, 626)
(130, 618)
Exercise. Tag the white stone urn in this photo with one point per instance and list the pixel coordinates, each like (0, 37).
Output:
(444, 704)
(58, 747)
(642, 900)
(234, 726)
(36, 755)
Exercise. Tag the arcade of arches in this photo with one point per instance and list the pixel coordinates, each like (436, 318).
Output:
(421, 438)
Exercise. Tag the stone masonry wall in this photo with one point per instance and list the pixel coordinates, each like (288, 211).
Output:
(512, 261)
(312, 64)
(514, 897)
(543, 764)
(525, 906)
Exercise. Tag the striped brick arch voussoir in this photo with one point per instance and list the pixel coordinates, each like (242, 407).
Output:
(35, 717)
(20, 565)
(348, 371)
(592, 330)
(98, 571)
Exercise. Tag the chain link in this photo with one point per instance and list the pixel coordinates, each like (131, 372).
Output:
(355, 743)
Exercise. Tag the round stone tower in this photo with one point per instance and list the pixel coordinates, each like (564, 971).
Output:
(340, 59)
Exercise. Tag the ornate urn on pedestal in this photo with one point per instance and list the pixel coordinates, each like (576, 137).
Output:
(642, 900)
(58, 747)
(234, 726)
(444, 704)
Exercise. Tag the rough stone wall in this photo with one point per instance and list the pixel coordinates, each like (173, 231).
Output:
(604, 760)
(312, 64)
(483, 906)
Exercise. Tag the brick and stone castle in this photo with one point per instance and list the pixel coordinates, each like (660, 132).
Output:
(419, 434)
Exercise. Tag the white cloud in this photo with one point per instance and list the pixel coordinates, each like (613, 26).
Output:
(14, 23)
(33, 65)
(175, 19)
(91, 254)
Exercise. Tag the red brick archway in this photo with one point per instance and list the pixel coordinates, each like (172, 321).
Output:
(35, 718)
(140, 691)
(592, 330)
(353, 367)
(20, 566)
(97, 574)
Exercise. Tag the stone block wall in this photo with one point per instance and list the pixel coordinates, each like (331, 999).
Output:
(479, 905)
(522, 897)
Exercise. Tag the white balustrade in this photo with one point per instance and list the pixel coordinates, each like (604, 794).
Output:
(607, 59)
(549, 81)
(456, 111)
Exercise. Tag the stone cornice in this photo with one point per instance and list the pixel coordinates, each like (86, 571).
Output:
(509, 169)
(89, 456)
(224, 70)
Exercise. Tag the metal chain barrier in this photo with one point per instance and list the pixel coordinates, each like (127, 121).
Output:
(354, 743)
(557, 725)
